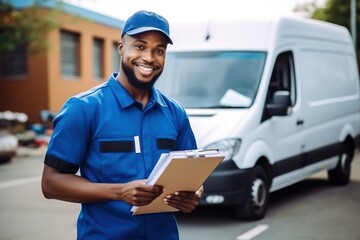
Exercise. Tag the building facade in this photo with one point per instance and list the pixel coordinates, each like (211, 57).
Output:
(83, 53)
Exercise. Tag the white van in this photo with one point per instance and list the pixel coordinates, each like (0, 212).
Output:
(280, 98)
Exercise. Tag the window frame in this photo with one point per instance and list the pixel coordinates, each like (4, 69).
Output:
(14, 64)
(98, 58)
(71, 68)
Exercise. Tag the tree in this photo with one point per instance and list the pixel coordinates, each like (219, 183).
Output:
(26, 26)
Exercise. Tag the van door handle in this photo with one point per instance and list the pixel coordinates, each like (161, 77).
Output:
(299, 122)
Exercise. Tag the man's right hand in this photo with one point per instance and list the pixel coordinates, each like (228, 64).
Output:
(138, 193)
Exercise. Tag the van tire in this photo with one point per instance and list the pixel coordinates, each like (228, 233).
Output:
(256, 200)
(340, 175)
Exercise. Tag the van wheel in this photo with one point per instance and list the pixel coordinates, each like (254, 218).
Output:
(257, 197)
(340, 175)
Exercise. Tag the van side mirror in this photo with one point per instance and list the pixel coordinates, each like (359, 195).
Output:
(280, 104)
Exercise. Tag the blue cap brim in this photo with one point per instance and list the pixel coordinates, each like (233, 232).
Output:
(146, 29)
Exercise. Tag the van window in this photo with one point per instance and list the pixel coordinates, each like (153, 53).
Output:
(282, 79)
(212, 79)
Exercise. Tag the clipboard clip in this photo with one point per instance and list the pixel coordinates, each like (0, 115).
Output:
(198, 153)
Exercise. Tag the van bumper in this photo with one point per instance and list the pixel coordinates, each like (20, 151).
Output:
(226, 187)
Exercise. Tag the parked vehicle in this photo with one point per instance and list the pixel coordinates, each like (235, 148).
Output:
(8, 141)
(280, 98)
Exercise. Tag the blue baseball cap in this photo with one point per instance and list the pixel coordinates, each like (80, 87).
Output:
(143, 21)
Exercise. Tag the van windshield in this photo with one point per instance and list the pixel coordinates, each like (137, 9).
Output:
(212, 79)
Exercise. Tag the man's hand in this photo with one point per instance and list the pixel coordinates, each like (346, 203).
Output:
(138, 193)
(184, 201)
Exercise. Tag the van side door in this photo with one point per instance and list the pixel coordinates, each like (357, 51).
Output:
(282, 120)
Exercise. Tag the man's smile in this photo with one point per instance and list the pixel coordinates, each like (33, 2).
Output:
(146, 69)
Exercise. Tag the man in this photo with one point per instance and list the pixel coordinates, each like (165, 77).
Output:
(115, 133)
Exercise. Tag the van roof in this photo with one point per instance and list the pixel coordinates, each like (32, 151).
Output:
(257, 35)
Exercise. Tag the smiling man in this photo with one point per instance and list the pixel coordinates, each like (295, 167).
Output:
(114, 134)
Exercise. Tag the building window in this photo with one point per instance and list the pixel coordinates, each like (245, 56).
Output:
(14, 63)
(115, 57)
(70, 62)
(98, 58)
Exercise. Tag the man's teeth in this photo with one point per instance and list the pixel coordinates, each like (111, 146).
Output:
(146, 69)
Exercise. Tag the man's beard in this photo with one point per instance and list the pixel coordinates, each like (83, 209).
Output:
(135, 82)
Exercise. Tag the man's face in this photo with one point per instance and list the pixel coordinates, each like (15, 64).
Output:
(143, 58)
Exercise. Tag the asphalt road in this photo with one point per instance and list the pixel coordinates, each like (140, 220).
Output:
(310, 210)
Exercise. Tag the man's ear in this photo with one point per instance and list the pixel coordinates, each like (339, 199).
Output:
(120, 47)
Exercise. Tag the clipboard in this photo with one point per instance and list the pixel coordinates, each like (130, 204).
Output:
(179, 171)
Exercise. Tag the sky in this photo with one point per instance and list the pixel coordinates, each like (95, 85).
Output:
(194, 10)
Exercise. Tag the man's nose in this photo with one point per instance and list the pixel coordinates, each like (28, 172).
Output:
(148, 56)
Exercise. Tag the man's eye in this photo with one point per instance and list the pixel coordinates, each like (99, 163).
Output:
(159, 51)
(140, 47)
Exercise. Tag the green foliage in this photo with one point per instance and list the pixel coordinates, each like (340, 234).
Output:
(26, 26)
(335, 11)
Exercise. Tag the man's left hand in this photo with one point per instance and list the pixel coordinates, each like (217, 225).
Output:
(186, 202)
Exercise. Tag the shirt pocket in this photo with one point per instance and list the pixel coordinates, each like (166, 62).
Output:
(118, 159)
(166, 143)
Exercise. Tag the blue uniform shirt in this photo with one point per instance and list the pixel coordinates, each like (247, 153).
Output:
(106, 134)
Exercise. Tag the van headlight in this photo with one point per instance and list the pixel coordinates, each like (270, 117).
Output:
(228, 147)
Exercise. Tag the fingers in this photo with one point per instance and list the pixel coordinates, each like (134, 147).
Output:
(145, 195)
(184, 201)
(138, 193)
(140, 198)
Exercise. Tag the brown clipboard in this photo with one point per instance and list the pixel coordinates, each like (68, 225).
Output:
(181, 171)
